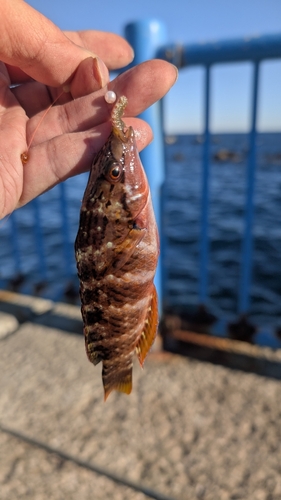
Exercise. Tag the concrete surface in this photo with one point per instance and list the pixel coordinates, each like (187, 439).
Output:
(8, 324)
(190, 430)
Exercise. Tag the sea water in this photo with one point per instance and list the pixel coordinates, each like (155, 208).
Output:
(181, 221)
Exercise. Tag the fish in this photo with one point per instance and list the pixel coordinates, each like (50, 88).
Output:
(117, 249)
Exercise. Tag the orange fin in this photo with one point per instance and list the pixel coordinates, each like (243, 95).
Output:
(124, 384)
(150, 328)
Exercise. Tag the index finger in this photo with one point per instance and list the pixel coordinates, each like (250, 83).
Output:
(44, 52)
(111, 48)
(114, 50)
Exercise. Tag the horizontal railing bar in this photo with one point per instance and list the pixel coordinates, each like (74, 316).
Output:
(256, 48)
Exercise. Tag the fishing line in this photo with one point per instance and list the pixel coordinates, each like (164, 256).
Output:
(24, 156)
(85, 464)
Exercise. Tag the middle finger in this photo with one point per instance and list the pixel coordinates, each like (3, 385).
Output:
(143, 85)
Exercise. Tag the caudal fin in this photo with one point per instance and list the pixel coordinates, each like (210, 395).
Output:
(121, 382)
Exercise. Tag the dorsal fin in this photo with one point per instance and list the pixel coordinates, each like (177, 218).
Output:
(150, 328)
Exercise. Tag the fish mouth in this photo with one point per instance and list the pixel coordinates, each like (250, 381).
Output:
(124, 135)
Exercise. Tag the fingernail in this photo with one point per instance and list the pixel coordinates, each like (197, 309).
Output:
(100, 72)
(177, 73)
(132, 54)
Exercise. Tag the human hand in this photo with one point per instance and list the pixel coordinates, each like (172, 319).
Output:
(70, 134)
(32, 47)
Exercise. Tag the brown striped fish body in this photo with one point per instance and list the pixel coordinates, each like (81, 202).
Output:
(116, 250)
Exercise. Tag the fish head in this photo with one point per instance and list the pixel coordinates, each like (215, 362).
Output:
(117, 188)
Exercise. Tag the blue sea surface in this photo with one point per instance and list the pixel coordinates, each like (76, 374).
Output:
(181, 226)
(226, 224)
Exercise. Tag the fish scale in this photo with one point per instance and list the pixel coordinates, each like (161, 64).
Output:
(116, 250)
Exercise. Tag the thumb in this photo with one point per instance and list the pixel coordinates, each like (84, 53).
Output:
(38, 47)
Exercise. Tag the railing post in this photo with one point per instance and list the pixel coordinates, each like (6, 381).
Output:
(146, 37)
(15, 243)
(39, 240)
(247, 245)
(204, 243)
(67, 247)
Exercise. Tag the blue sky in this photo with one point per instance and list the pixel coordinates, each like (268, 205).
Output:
(192, 21)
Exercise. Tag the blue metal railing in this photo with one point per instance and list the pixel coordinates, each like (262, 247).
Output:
(204, 253)
(146, 37)
(149, 40)
(255, 50)
(247, 246)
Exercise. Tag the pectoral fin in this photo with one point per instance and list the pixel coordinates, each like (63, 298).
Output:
(120, 254)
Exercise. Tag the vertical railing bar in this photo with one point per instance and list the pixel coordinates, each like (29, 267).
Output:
(163, 200)
(65, 229)
(146, 37)
(15, 243)
(204, 247)
(39, 239)
(247, 244)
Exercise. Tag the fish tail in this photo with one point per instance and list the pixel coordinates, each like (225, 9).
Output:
(120, 381)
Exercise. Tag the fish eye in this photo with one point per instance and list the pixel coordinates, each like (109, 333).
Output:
(113, 172)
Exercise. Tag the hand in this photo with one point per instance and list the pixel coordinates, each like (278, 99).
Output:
(32, 47)
(71, 133)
